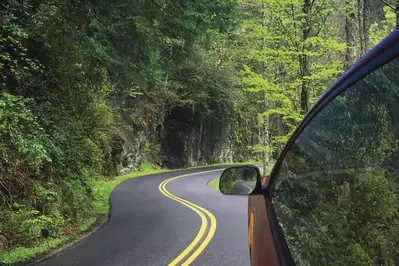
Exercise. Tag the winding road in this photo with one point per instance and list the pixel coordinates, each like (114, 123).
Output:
(243, 187)
(172, 218)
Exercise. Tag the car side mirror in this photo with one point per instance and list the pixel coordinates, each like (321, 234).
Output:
(239, 180)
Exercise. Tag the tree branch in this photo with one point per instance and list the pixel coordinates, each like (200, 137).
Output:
(311, 4)
(323, 24)
(388, 5)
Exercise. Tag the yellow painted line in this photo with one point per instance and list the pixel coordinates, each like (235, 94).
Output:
(251, 236)
(204, 222)
(201, 232)
(207, 240)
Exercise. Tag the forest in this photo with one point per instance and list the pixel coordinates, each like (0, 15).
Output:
(90, 90)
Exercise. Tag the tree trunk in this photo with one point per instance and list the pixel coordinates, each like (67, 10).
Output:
(303, 59)
(266, 137)
(199, 143)
(363, 14)
(366, 24)
(350, 55)
(360, 25)
(266, 124)
(304, 98)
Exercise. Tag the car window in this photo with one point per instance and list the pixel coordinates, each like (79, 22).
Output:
(336, 194)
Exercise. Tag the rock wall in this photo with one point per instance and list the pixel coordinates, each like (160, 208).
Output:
(185, 138)
(209, 141)
(132, 153)
(225, 145)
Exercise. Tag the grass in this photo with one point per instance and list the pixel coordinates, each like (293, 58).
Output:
(214, 183)
(102, 190)
(24, 253)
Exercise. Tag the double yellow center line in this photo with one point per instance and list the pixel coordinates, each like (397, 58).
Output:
(196, 246)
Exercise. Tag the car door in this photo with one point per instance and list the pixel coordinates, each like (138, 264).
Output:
(333, 196)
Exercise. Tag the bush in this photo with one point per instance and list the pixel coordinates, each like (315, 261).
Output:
(23, 226)
(45, 170)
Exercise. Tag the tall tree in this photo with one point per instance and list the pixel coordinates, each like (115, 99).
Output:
(395, 8)
(350, 54)
(287, 44)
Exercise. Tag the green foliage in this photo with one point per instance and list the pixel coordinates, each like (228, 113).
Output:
(22, 225)
(23, 253)
(77, 200)
(21, 131)
(379, 30)
(32, 227)
(80, 80)
(15, 64)
(286, 52)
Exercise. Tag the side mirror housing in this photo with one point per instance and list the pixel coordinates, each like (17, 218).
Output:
(239, 180)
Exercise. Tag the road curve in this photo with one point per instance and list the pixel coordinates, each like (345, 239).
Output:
(243, 187)
(148, 226)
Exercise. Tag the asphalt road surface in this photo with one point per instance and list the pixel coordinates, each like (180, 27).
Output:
(167, 219)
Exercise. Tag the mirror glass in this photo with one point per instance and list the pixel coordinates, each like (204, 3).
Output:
(239, 180)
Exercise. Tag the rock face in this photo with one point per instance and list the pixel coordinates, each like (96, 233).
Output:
(185, 139)
(132, 151)
(191, 139)
(225, 145)
(209, 142)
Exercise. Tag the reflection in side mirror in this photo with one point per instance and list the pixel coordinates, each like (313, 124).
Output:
(240, 180)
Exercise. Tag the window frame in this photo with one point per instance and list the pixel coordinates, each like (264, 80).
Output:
(381, 54)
